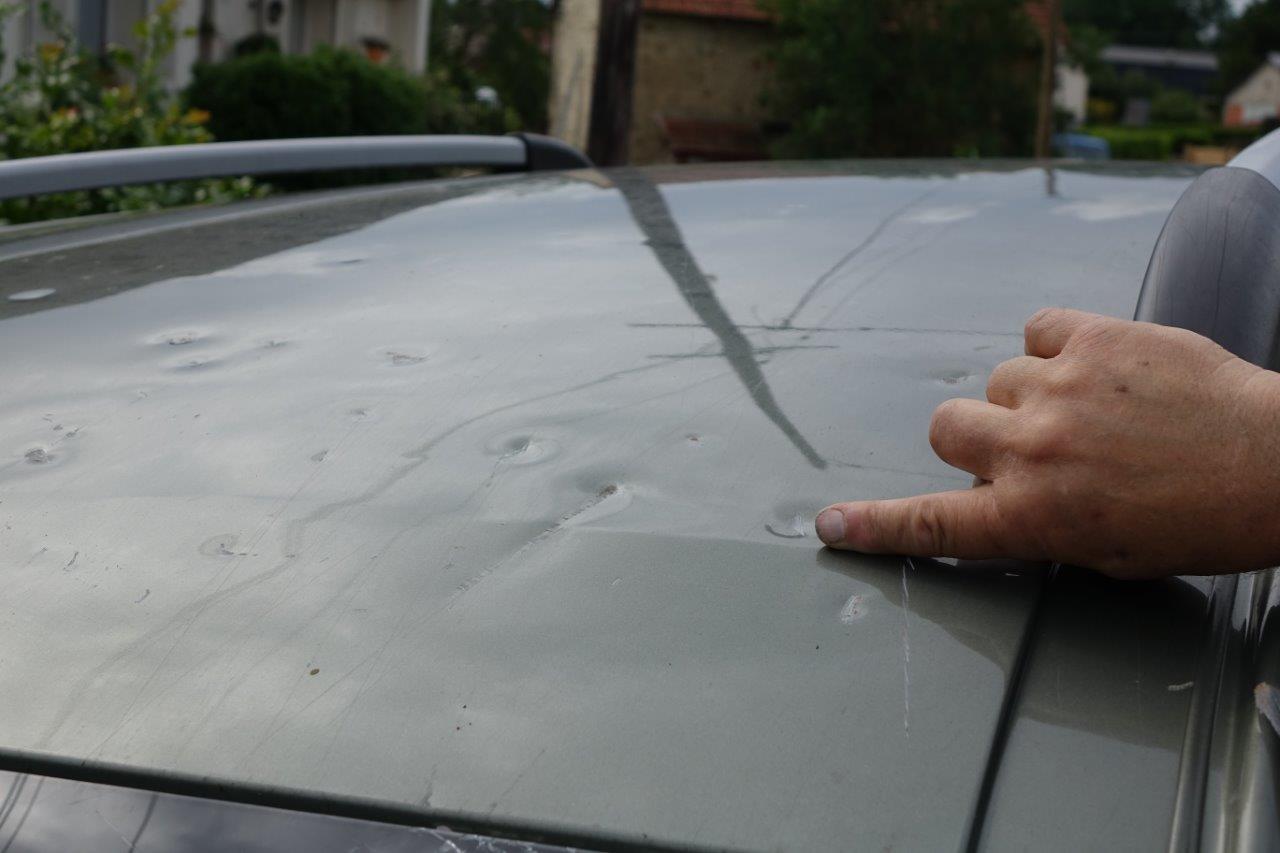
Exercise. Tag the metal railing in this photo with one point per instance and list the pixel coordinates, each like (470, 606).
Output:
(97, 169)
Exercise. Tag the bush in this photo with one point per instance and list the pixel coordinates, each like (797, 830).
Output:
(330, 93)
(62, 100)
(1165, 143)
(1174, 106)
(1136, 143)
(1100, 111)
(478, 43)
(256, 43)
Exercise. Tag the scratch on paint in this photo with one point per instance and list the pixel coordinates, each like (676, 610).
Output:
(1178, 688)
(612, 498)
(72, 561)
(906, 649)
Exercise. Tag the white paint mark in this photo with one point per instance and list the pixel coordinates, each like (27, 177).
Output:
(852, 610)
(1178, 688)
(32, 295)
(906, 649)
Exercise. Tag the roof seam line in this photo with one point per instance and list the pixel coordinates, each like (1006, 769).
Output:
(1004, 722)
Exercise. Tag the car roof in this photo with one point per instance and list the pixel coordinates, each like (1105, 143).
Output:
(493, 498)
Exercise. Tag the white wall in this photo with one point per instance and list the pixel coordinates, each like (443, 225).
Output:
(1072, 91)
(1259, 96)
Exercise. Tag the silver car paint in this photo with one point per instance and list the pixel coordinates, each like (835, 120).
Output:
(494, 499)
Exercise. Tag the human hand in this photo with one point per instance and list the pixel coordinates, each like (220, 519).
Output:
(1135, 449)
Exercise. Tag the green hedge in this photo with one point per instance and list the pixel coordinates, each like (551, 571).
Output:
(1165, 143)
(330, 93)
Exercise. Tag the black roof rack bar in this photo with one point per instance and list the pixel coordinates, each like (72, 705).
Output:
(97, 169)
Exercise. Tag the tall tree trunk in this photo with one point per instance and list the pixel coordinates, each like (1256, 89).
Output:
(207, 31)
(1048, 80)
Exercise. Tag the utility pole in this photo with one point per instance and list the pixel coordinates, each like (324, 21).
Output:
(614, 80)
(206, 32)
(1048, 79)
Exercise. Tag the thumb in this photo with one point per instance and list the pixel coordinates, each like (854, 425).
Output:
(946, 524)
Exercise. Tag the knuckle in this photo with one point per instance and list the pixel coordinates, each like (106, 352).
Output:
(1095, 332)
(930, 527)
(1046, 439)
(1008, 381)
(1001, 377)
(1041, 319)
(1068, 380)
(944, 422)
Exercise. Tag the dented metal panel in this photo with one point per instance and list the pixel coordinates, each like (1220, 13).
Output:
(493, 498)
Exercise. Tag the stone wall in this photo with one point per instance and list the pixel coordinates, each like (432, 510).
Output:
(695, 67)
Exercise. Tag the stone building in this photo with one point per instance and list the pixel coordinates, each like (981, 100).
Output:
(701, 69)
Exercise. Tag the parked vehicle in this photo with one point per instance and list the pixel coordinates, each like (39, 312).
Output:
(386, 515)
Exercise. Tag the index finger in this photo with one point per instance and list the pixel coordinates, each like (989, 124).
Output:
(944, 524)
(1049, 329)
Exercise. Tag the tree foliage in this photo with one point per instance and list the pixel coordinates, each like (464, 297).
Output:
(332, 92)
(904, 78)
(1158, 23)
(496, 43)
(1246, 41)
(62, 100)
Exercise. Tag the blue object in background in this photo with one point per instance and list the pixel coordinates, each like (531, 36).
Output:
(1081, 146)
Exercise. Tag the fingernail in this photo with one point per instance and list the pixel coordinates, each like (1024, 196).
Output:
(830, 525)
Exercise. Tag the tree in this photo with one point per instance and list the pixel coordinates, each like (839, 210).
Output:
(904, 78)
(496, 43)
(1158, 23)
(1246, 41)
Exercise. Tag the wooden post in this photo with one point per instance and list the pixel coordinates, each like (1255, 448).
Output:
(614, 80)
(1048, 79)
(206, 32)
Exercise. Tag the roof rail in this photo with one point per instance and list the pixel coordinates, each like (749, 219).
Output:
(97, 169)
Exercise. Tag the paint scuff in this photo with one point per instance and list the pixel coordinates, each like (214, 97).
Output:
(852, 610)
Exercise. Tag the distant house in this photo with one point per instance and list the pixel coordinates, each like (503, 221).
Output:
(1174, 68)
(1257, 99)
(382, 29)
(700, 71)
